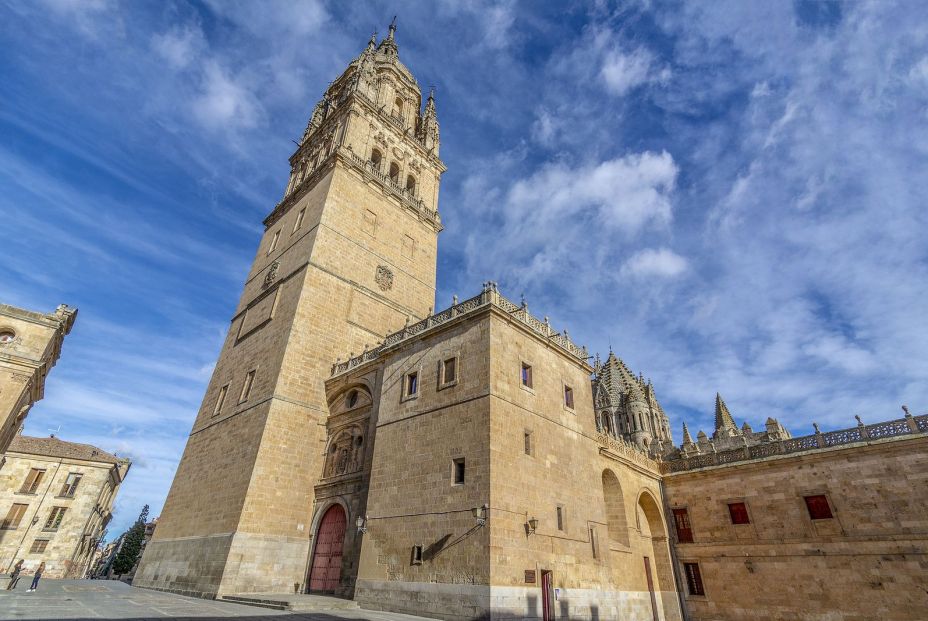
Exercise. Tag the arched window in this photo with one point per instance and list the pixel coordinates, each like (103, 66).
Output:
(395, 173)
(411, 184)
(376, 158)
(616, 522)
(398, 106)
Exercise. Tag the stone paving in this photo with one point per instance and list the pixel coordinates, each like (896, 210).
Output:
(108, 599)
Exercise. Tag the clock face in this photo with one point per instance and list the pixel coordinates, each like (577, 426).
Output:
(7, 336)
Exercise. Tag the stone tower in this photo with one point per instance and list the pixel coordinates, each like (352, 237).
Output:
(347, 256)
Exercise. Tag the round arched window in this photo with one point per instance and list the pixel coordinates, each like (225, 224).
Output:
(7, 335)
(352, 398)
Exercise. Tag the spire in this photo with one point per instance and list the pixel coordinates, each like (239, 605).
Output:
(723, 419)
(392, 29)
(687, 438)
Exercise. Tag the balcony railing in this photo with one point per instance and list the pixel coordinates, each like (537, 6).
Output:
(489, 296)
(910, 425)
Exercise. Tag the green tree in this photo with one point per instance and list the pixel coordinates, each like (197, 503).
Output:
(131, 546)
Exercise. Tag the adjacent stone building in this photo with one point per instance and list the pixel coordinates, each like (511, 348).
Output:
(471, 463)
(30, 344)
(56, 498)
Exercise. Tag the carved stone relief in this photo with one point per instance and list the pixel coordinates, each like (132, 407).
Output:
(384, 278)
(345, 453)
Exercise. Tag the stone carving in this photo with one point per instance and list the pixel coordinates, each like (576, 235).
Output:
(271, 275)
(384, 278)
(346, 452)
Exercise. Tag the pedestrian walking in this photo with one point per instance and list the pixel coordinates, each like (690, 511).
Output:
(14, 575)
(35, 579)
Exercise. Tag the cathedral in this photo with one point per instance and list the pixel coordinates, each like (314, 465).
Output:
(472, 462)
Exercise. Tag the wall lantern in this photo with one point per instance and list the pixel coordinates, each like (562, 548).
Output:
(480, 514)
(532, 525)
(360, 524)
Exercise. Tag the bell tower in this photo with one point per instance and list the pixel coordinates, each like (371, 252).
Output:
(347, 256)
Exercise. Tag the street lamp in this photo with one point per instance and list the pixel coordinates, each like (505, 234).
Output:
(360, 524)
(532, 525)
(480, 514)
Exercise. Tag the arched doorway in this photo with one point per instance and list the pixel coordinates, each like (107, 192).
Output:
(656, 563)
(326, 571)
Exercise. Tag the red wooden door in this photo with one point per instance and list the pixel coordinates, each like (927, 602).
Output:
(647, 572)
(547, 597)
(326, 571)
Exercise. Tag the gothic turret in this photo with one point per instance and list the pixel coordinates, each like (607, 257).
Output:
(725, 426)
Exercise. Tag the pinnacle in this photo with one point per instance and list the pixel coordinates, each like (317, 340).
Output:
(723, 419)
(687, 438)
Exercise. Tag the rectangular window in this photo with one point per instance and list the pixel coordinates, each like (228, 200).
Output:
(528, 442)
(14, 516)
(220, 400)
(458, 466)
(370, 222)
(569, 397)
(560, 517)
(274, 241)
(246, 387)
(527, 375)
(299, 220)
(739, 513)
(70, 484)
(417, 555)
(449, 370)
(33, 479)
(38, 546)
(409, 247)
(693, 579)
(412, 384)
(54, 518)
(681, 519)
(818, 507)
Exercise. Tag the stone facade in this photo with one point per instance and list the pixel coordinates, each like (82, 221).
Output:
(30, 344)
(862, 556)
(56, 498)
(470, 463)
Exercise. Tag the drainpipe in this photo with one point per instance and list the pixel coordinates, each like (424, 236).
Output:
(673, 557)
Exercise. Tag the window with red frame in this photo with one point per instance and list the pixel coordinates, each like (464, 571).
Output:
(682, 520)
(693, 579)
(818, 507)
(739, 513)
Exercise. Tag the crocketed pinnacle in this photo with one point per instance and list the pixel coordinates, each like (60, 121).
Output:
(723, 419)
(687, 438)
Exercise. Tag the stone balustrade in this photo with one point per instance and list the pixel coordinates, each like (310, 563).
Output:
(489, 296)
(910, 425)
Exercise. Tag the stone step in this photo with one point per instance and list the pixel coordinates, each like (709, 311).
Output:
(294, 603)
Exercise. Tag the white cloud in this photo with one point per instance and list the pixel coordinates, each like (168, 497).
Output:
(225, 103)
(623, 72)
(180, 46)
(659, 262)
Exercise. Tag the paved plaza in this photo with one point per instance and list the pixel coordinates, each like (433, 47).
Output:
(108, 599)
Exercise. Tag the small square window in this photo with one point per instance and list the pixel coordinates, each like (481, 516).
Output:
(409, 247)
(412, 384)
(569, 397)
(417, 555)
(739, 513)
(693, 579)
(458, 467)
(560, 517)
(220, 400)
(274, 241)
(449, 370)
(526, 375)
(299, 220)
(246, 387)
(38, 546)
(528, 443)
(818, 507)
(370, 222)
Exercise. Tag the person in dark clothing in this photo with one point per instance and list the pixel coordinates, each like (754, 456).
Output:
(14, 575)
(35, 579)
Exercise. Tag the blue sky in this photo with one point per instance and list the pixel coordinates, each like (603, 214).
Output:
(731, 194)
